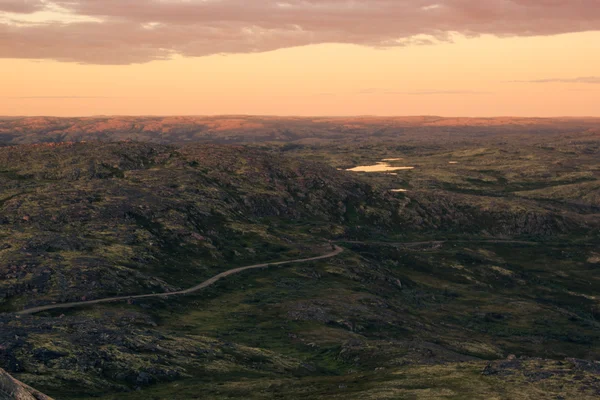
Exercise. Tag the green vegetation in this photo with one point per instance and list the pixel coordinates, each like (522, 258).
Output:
(480, 281)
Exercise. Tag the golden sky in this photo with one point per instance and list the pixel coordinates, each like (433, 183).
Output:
(57, 61)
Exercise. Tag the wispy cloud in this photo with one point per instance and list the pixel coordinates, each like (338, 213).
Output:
(134, 31)
(595, 80)
(374, 91)
(21, 6)
(64, 97)
(442, 92)
(423, 92)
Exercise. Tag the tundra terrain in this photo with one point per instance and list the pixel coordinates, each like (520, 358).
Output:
(470, 264)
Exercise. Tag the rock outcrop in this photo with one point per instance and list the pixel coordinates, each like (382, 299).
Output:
(12, 389)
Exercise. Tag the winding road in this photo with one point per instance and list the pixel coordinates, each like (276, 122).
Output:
(440, 242)
(211, 281)
(207, 283)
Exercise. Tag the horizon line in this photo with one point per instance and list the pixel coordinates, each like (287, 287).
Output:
(296, 116)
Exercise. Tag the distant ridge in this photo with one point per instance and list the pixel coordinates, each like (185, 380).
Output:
(257, 129)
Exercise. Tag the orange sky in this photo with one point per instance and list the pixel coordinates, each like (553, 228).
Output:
(545, 75)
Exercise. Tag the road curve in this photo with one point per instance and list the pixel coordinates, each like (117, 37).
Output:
(207, 283)
(414, 244)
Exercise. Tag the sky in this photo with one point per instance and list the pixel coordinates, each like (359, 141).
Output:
(300, 57)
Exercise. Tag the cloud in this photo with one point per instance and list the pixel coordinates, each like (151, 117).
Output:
(584, 79)
(135, 31)
(372, 91)
(21, 6)
(63, 97)
(441, 92)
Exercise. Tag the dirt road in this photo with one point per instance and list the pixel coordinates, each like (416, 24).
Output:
(209, 282)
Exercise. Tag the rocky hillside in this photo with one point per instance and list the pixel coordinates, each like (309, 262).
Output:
(88, 220)
(469, 266)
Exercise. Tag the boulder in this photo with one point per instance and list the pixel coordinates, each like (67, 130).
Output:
(12, 389)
